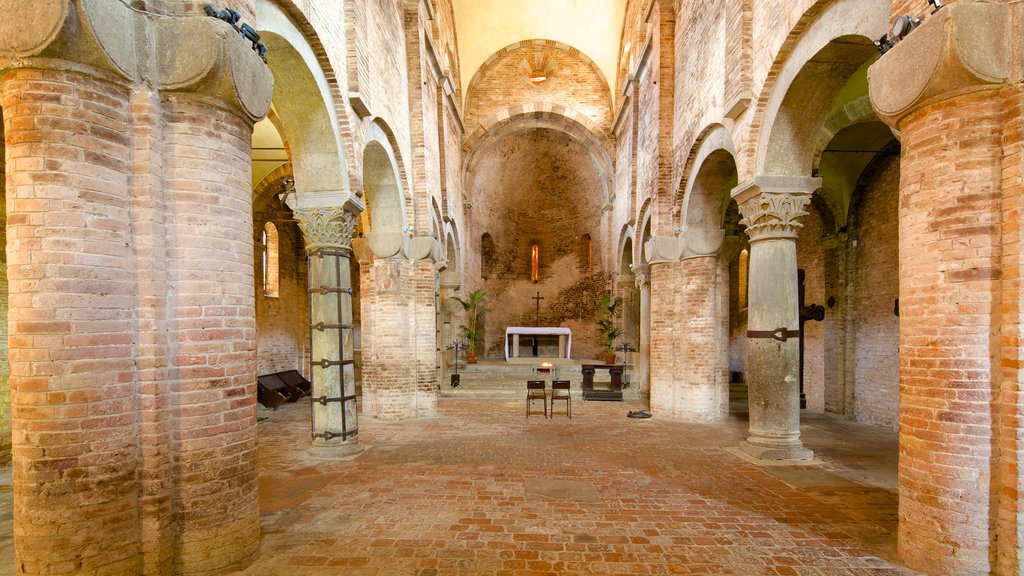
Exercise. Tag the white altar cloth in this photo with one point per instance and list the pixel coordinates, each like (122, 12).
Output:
(560, 331)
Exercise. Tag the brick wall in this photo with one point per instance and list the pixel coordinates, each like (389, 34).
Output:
(5, 367)
(876, 287)
(573, 81)
(541, 186)
(810, 256)
(283, 321)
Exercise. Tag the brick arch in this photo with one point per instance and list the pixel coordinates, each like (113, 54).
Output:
(535, 43)
(542, 115)
(268, 186)
(626, 235)
(713, 138)
(386, 208)
(264, 11)
(822, 23)
(645, 219)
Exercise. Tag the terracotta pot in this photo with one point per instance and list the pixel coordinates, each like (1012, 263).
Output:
(470, 358)
(609, 357)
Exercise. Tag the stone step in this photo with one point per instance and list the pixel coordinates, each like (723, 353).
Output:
(737, 391)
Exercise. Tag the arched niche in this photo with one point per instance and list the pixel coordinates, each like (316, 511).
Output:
(308, 119)
(713, 174)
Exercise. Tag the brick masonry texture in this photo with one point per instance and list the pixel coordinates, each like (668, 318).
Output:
(460, 494)
(137, 326)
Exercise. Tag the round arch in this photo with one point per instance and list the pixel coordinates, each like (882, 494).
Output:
(696, 203)
(382, 188)
(833, 36)
(304, 103)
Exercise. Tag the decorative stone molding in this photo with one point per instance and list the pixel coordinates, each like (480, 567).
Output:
(385, 244)
(196, 53)
(421, 248)
(641, 276)
(963, 48)
(326, 227)
(772, 206)
(690, 243)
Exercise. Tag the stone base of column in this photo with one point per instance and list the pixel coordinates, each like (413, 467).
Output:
(341, 450)
(775, 449)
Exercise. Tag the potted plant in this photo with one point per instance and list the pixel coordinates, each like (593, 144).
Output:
(608, 312)
(472, 330)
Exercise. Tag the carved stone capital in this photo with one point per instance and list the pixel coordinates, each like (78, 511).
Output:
(107, 38)
(641, 276)
(326, 227)
(772, 206)
(963, 48)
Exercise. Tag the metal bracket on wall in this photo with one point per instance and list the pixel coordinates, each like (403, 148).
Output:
(780, 334)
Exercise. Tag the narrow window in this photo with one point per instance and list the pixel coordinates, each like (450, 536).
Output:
(486, 256)
(534, 261)
(270, 261)
(585, 256)
(742, 280)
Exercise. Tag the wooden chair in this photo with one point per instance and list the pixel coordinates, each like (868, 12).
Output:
(560, 391)
(535, 390)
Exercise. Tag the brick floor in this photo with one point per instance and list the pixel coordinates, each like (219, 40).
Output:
(481, 490)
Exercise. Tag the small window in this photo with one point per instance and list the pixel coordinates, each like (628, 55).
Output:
(585, 256)
(534, 261)
(270, 261)
(486, 256)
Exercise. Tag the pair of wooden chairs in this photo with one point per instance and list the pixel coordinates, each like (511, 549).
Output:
(537, 390)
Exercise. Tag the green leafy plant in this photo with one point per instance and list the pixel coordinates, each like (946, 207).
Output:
(608, 311)
(474, 309)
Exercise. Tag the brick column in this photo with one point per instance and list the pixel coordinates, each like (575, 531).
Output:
(771, 207)
(399, 362)
(328, 234)
(947, 90)
(689, 355)
(70, 317)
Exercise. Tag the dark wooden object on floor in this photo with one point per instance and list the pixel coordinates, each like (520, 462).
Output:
(612, 392)
(535, 390)
(272, 390)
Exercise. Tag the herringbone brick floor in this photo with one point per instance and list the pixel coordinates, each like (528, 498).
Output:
(482, 490)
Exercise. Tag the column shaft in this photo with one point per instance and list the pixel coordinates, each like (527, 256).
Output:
(772, 208)
(328, 233)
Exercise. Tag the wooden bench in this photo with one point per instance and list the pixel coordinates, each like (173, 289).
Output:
(275, 389)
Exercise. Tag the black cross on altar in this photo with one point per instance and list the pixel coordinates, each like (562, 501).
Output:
(538, 298)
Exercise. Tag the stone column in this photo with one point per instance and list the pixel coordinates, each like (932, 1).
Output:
(328, 234)
(956, 99)
(771, 207)
(643, 362)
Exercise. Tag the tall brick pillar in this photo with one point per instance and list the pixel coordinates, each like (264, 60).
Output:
(400, 328)
(328, 234)
(771, 207)
(689, 353)
(131, 289)
(956, 98)
(70, 316)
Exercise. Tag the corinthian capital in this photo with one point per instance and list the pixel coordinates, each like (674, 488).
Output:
(326, 227)
(772, 206)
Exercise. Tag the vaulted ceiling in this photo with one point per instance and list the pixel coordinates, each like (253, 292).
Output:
(593, 27)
